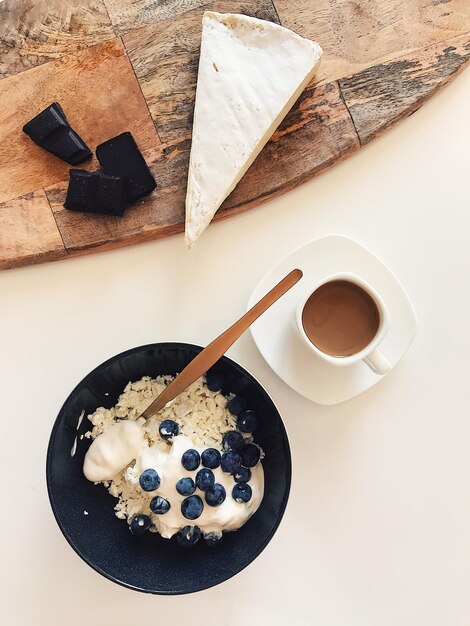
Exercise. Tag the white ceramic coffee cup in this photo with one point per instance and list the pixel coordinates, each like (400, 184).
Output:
(370, 354)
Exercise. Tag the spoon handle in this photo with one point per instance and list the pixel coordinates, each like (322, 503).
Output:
(212, 353)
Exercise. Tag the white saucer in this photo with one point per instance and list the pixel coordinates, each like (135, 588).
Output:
(279, 344)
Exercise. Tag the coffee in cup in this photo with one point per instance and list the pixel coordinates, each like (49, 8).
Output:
(343, 320)
(340, 318)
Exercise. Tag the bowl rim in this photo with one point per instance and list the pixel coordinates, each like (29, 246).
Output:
(150, 346)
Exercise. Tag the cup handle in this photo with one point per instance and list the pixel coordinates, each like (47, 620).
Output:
(377, 362)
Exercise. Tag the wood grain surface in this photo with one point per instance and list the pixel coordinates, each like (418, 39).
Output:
(29, 233)
(380, 95)
(383, 59)
(130, 14)
(101, 97)
(33, 32)
(357, 34)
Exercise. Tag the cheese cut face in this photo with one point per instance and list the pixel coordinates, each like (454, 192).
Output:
(251, 72)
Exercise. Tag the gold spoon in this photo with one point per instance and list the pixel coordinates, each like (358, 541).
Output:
(212, 353)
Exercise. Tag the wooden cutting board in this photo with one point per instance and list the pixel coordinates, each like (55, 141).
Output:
(118, 65)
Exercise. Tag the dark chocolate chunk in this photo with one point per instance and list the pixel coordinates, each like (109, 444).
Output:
(96, 193)
(50, 130)
(81, 191)
(120, 156)
(67, 146)
(46, 123)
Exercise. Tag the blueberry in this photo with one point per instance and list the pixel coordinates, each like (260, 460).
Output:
(241, 492)
(213, 381)
(211, 458)
(204, 478)
(212, 539)
(233, 440)
(236, 405)
(247, 421)
(250, 455)
(140, 524)
(190, 460)
(149, 480)
(188, 536)
(215, 495)
(185, 486)
(242, 476)
(159, 505)
(231, 462)
(192, 507)
(168, 429)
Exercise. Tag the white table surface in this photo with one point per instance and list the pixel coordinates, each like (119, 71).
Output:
(376, 531)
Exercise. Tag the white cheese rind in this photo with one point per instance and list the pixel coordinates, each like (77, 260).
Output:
(250, 74)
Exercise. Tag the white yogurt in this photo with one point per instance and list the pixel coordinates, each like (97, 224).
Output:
(115, 449)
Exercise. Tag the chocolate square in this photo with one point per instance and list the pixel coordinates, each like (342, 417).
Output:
(120, 156)
(96, 193)
(50, 130)
(68, 146)
(46, 123)
(111, 195)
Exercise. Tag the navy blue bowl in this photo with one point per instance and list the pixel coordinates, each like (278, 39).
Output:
(150, 563)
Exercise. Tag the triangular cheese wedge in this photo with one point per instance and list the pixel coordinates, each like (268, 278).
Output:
(251, 72)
